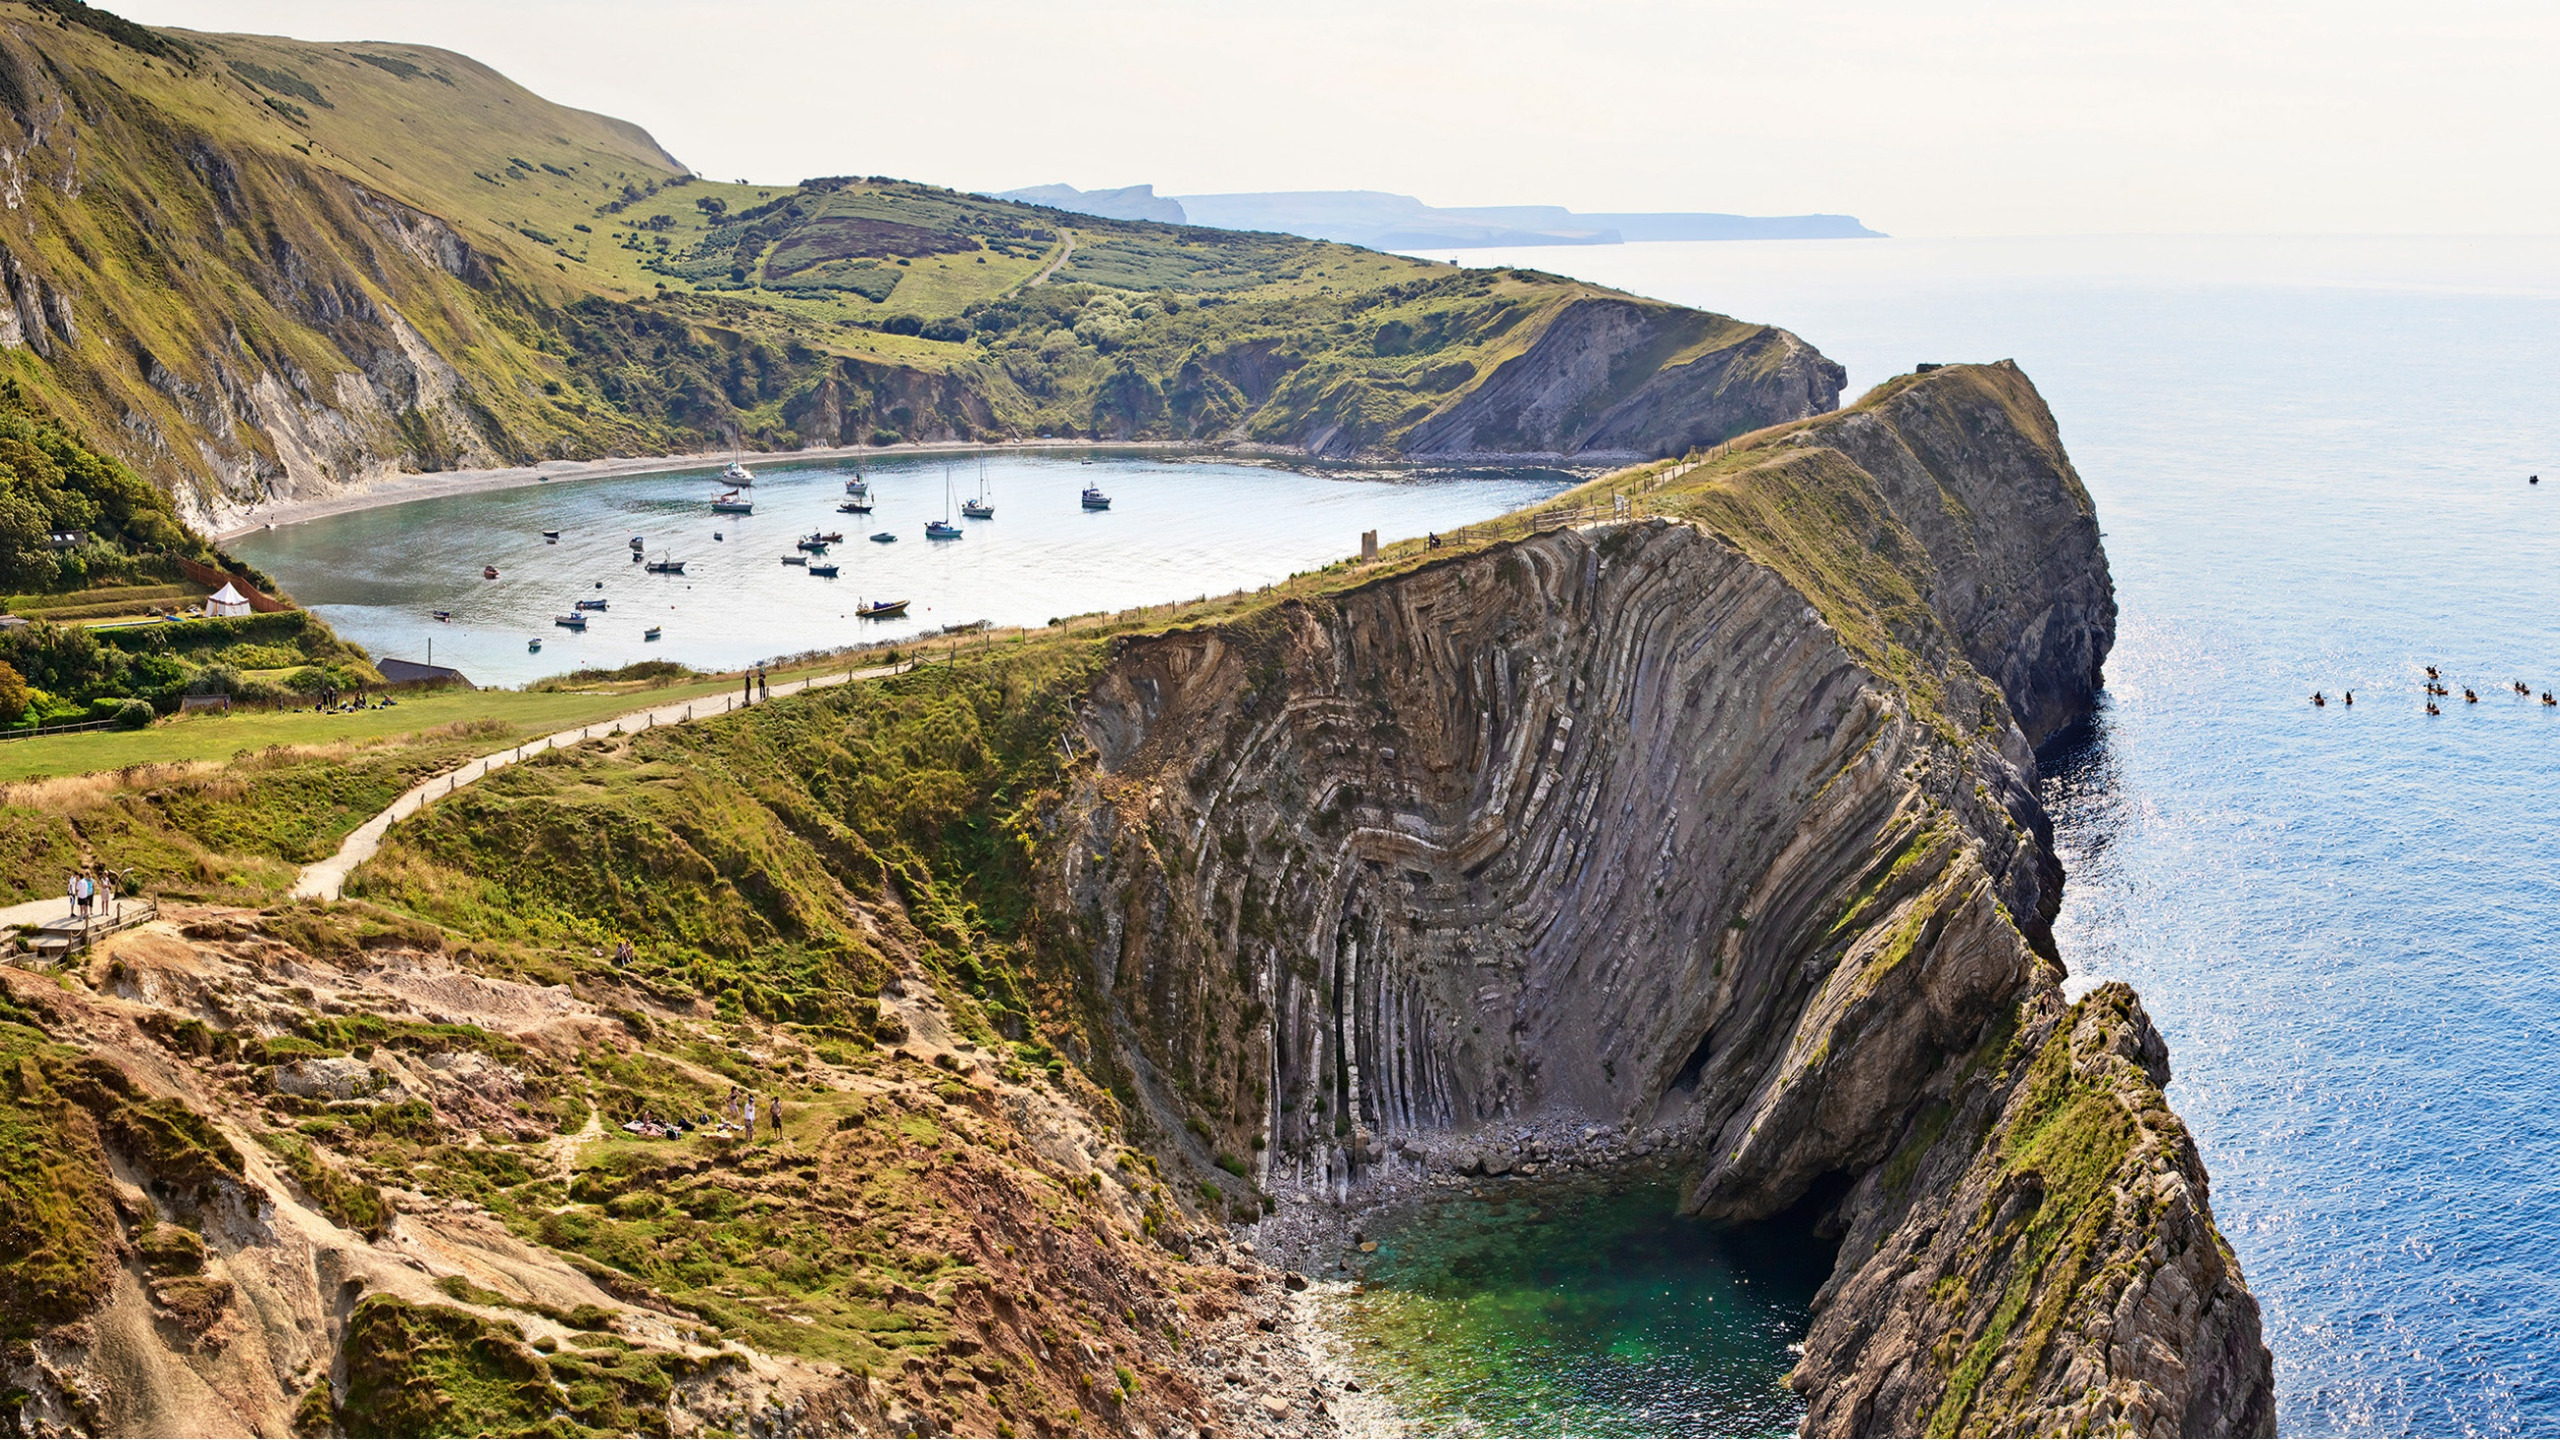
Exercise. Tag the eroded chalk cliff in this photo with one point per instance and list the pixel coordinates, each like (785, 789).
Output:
(1716, 826)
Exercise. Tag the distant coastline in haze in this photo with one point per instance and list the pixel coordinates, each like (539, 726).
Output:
(1383, 221)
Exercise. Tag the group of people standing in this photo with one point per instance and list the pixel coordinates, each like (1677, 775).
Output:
(93, 895)
(741, 1110)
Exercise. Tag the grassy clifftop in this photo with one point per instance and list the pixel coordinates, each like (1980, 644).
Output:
(271, 268)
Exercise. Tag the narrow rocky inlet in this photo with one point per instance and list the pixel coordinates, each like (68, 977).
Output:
(1705, 838)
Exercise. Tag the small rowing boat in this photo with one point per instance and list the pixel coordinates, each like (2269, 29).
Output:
(533, 646)
(650, 634)
(885, 537)
(593, 604)
(795, 559)
(443, 614)
(488, 572)
(551, 537)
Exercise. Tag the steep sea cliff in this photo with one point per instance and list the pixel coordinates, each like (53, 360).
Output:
(1711, 832)
(1684, 826)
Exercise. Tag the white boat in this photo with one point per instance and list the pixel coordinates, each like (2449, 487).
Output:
(980, 508)
(943, 529)
(1094, 499)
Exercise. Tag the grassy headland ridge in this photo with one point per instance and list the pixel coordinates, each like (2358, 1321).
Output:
(962, 923)
(272, 269)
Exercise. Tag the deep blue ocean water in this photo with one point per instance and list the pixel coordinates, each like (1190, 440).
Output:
(2310, 461)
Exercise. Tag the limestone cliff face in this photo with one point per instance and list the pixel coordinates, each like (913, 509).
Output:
(1685, 827)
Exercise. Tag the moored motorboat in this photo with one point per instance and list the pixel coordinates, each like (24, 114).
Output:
(570, 622)
(795, 559)
(637, 545)
(885, 537)
(650, 634)
(827, 570)
(831, 537)
(812, 544)
(1094, 499)
(668, 566)
(854, 507)
(880, 609)
(488, 572)
(594, 604)
(533, 646)
(443, 614)
(551, 537)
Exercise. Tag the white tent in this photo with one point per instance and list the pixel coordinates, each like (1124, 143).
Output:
(226, 601)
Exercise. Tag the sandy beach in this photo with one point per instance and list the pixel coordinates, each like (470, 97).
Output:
(401, 489)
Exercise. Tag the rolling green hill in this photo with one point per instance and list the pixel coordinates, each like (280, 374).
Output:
(260, 268)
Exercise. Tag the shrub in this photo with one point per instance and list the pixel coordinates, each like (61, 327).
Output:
(15, 697)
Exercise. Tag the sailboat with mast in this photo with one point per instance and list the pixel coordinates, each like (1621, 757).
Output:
(943, 529)
(981, 507)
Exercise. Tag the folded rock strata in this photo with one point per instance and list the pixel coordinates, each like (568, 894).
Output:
(1719, 825)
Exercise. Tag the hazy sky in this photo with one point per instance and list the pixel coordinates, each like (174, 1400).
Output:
(1993, 117)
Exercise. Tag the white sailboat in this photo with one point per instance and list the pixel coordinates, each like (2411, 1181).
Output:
(981, 508)
(943, 529)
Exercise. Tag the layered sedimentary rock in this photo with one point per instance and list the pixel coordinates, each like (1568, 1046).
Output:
(1716, 826)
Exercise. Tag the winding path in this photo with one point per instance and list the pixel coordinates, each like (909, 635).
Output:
(325, 879)
(1063, 257)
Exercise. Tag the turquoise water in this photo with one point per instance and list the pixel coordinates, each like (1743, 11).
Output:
(2310, 460)
(1569, 1311)
(1177, 528)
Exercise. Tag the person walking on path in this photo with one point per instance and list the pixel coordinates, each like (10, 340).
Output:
(71, 890)
(750, 696)
(764, 688)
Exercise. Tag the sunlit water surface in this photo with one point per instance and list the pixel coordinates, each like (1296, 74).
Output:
(2310, 460)
(1568, 1310)
(1177, 528)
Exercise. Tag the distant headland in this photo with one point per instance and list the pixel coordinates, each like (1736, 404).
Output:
(1382, 221)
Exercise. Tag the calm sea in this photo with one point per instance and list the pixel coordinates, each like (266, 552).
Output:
(2310, 460)
(1177, 528)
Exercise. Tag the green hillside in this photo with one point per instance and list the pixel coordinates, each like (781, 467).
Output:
(262, 268)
